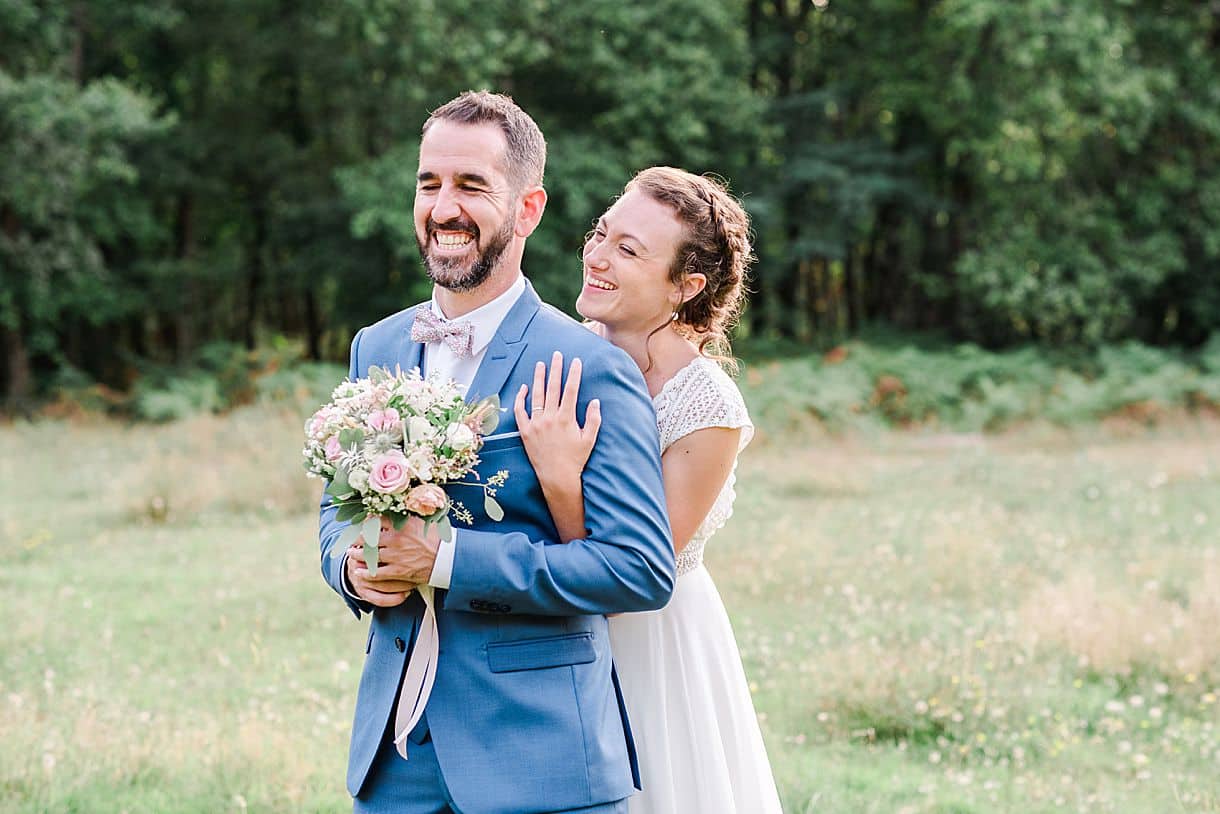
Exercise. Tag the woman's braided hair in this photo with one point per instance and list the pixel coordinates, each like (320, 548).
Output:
(716, 245)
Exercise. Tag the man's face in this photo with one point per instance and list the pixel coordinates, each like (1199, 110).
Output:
(464, 204)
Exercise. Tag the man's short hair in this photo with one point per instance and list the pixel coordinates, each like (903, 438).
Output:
(526, 154)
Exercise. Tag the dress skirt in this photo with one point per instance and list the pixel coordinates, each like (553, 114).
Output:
(699, 744)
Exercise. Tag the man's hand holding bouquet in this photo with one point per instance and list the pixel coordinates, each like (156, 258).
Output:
(387, 445)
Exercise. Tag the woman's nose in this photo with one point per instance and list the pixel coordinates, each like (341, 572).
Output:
(596, 256)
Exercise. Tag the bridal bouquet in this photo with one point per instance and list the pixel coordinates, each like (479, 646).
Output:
(386, 445)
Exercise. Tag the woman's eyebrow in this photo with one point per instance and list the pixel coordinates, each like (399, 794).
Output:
(626, 235)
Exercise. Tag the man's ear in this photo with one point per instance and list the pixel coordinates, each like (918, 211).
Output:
(533, 203)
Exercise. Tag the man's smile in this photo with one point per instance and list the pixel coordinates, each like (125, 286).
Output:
(452, 242)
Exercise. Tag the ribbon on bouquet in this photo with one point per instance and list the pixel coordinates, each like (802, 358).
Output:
(421, 672)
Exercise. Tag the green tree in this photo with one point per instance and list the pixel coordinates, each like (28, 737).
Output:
(615, 87)
(1005, 171)
(66, 192)
(176, 172)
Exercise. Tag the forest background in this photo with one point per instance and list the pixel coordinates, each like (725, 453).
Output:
(182, 182)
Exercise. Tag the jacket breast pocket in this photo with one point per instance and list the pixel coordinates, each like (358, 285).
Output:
(500, 442)
(539, 654)
(520, 495)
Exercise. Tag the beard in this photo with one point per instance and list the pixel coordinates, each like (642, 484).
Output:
(454, 273)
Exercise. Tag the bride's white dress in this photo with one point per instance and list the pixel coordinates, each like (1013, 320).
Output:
(696, 733)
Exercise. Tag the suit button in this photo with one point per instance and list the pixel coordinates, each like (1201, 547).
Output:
(504, 608)
(399, 644)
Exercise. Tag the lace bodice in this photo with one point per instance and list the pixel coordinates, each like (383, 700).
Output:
(702, 395)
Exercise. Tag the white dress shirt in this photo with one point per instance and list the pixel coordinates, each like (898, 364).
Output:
(440, 360)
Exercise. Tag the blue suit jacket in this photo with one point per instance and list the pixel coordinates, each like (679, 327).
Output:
(525, 714)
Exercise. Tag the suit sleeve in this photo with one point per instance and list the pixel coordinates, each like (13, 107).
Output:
(626, 563)
(329, 528)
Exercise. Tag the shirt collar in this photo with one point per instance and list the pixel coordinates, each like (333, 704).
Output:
(486, 318)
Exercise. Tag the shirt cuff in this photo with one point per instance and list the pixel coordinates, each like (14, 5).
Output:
(442, 568)
(348, 588)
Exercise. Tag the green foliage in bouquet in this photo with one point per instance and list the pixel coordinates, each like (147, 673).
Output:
(388, 443)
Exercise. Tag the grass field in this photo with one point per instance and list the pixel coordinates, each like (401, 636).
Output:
(1022, 623)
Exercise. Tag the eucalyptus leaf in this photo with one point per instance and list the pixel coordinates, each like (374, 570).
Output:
(346, 538)
(340, 494)
(350, 436)
(445, 528)
(339, 482)
(348, 511)
(370, 558)
(336, 488)
(493, 509)
(370, 530)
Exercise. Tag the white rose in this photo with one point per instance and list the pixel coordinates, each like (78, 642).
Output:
(358, 479)
(459, 436)
(419, 429)
(420, 462)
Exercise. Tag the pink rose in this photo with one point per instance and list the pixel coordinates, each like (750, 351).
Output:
(391, 473)
(333, 448)
(426, 499)
(383, 420)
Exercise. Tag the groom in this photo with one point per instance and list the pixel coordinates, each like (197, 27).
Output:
(525, 714)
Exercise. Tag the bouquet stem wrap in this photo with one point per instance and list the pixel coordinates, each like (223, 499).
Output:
(421, 672)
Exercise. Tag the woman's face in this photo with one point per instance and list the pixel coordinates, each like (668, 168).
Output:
(626, 264)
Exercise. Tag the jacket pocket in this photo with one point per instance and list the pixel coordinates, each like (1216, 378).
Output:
(538, 654)
(501, 441)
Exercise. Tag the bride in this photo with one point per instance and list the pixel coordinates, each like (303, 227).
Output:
(663, 280)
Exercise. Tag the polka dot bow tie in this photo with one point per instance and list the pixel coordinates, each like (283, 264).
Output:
(458, 335)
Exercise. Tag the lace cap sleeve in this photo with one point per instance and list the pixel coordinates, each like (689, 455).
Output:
(699, 396)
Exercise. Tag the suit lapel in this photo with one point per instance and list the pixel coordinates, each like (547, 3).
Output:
(505, 348)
